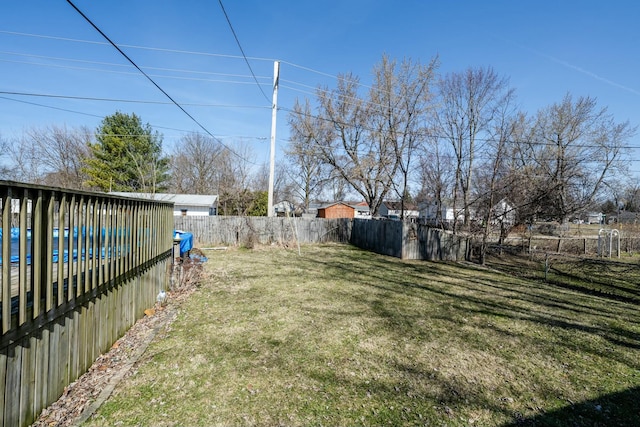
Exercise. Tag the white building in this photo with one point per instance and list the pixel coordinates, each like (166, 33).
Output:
(362, 210)
(393, 210)
(183, 204)
(504, 212)
(429, 213)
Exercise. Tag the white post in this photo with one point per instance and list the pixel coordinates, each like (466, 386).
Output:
(272, 159)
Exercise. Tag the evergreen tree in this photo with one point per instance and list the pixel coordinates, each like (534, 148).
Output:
(127, 156)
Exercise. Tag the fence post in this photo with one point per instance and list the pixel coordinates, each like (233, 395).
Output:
(546, 266)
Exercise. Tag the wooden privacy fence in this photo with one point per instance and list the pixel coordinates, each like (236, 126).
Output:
(395, 238)
(77, 269)
(408, 240)
(241, 231)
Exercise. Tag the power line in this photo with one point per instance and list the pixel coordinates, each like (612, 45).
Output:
(235, 36)
(131, 46)
(245, 58)
(150, 79)
(440, 136)
(133, 101)
(68, 67)
(218, 137)
(112, 64)
(51, 107)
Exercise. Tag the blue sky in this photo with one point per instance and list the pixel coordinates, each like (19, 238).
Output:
(546, 49)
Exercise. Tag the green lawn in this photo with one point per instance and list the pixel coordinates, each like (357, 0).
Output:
(339, 336)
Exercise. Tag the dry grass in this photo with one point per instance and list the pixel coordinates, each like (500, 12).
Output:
(339, 336)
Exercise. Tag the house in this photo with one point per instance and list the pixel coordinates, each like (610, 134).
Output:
(429, 213)
(393, 210)
(284, 209)
(312, 210)
(595, 218)
(504, 213)
(184, 204)
(336, 210)
(362, 210)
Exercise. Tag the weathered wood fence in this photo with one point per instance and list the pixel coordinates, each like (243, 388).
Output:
(242, 231)
(395, 238)
(76, 272)
(409, 240)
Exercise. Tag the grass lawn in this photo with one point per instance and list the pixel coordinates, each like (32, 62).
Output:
(339, 337)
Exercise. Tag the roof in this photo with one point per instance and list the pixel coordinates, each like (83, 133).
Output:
(334, 204)
(177, 199)
(361, 208)
(396, 206)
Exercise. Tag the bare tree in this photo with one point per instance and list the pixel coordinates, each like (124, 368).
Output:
(344, 141)
(233, 179)
(307, 170)
(436, 176)
(573, 147)
(469, 101)
(53, 155)
(360, 138)
(24, 165)
(630, 199)
(5, 169)
(195, 164)
(404, 98)
(494, 176)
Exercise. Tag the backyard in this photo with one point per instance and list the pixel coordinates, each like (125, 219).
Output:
(339, 336)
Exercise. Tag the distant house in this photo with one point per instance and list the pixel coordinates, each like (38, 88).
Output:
(362, 210)
(595, 218)
(336, 210)
(184, 204)
(504, 212)
(393, 210)
(284, 208)
(430, 213)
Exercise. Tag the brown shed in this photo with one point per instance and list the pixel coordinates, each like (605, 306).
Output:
(336, 210)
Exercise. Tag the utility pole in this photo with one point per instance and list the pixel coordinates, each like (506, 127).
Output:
(272, 160)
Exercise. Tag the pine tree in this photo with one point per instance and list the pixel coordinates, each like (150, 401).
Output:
(127, 156)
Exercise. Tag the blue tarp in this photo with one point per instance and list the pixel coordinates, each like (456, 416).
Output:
(185, 239)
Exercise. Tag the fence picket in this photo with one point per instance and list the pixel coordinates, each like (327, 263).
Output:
(61, 308)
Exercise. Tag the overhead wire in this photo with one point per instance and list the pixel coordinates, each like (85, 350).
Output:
(112, 64)
(188, 52)
(151, 80)
(183, 131)
(246, 60)
(68, 67)
(131, 101)
(131, 46)
(235, 36)
(52, 107)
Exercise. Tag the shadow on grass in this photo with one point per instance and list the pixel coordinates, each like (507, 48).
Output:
(476, 291)
(441, 297)
(486, 295)
(588, 276)
(617, 409)
(600, 292)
